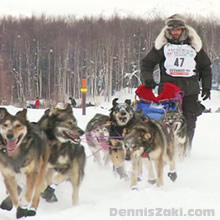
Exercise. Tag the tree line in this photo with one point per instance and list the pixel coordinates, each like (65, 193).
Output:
(48, 56)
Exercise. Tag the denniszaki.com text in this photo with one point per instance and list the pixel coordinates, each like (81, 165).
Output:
(138, 212)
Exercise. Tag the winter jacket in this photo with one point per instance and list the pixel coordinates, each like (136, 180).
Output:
(37, 103)
(189, 85)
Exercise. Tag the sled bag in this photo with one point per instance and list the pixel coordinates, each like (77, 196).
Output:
(155, 110)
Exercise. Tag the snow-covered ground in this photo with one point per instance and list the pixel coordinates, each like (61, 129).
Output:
(194, 195)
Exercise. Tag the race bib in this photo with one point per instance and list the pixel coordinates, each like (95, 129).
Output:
(179, 60)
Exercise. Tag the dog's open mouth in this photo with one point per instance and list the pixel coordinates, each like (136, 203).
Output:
(12, 145)
(71, 136)
(123, 119)
(104, 143)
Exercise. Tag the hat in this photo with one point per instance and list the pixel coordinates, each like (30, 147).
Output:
(175, 21)
(59, 105)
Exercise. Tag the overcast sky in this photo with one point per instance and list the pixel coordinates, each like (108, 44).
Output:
(81, 8)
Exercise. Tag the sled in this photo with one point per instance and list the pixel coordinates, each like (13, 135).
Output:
(153, 106)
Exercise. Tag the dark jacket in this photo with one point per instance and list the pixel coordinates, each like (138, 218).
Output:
(190, 85)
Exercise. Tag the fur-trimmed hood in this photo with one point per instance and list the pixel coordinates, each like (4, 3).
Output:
(188, 33)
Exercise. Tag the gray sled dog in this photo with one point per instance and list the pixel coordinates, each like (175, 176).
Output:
(121, 115)
(24, 152)
(175, 120)
(97, 137)
(151, 140)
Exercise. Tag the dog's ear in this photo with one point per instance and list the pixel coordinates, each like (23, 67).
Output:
(128, 101)
(166, 112)
(69, 109)
(116, 143)
(126, 131)
(22, 114)
(147, 136)
(3, 113)
(47, 111)
(142, 128)
(178, 107)
(53, 111)
(114, 102)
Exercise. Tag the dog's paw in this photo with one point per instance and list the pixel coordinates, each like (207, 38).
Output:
(139, 179)
(172, 175)
(52, 199)
(121, 172)
(31, 212)
(152, 181)
(7, 204)
(49, 195)
(21, 212)
(134, 188)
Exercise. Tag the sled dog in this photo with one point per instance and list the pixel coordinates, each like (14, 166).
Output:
(97, 137)
(67, 158)
(121, 115)
(176, 121)
(24, 152)
(152, 140)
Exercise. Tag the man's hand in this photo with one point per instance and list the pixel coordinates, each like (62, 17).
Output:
(206, 94)
(150, 84)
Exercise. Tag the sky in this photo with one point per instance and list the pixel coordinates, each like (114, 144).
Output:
(104, 196)
(80, 8)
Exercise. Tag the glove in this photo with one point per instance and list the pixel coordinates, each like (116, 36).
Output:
(205, 94)
(150, 84)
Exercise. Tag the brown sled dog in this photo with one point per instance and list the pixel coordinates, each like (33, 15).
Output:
(152, 140)
(24, 151)
(67, 158)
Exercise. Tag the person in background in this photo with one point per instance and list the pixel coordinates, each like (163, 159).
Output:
(72, 101)
(182, 60)
(37, 103)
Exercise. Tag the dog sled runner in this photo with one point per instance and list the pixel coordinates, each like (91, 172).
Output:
(170, 99)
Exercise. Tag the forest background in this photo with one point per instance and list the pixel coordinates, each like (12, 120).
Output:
(48, 56)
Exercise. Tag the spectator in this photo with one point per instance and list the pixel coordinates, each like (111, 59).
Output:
(37, 103)
(72, 101)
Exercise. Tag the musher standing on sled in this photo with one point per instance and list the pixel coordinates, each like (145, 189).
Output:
(178, 51)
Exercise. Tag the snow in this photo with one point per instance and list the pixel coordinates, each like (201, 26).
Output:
(103, 194)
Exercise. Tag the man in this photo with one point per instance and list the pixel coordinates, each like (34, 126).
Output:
(178, 51)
